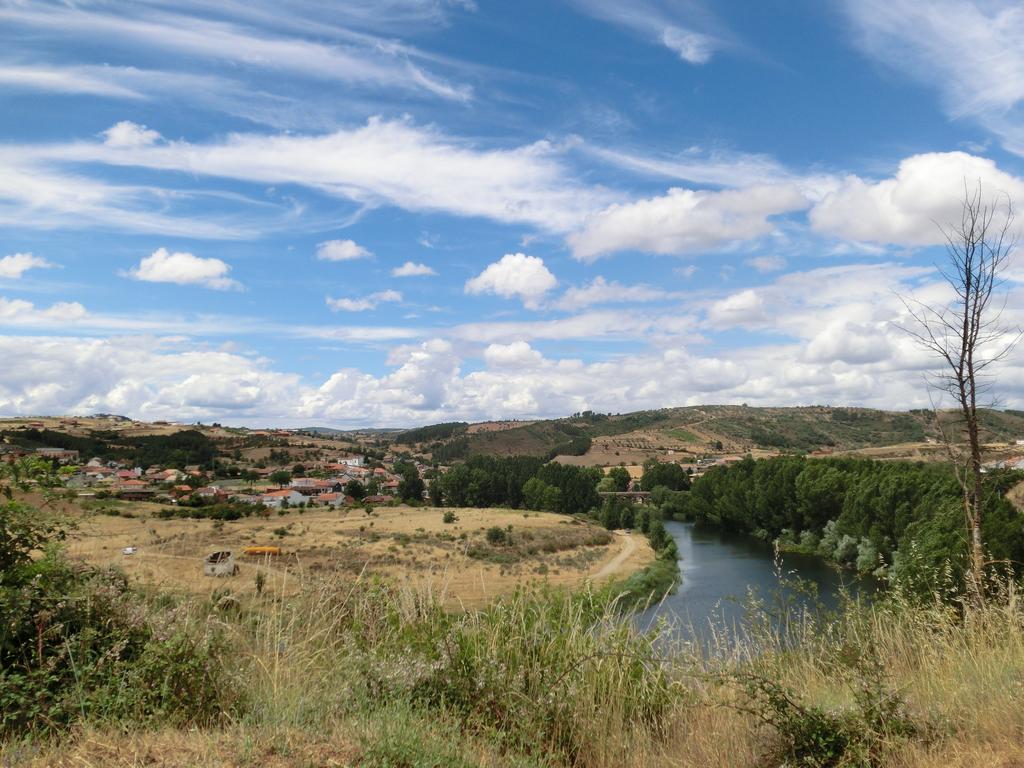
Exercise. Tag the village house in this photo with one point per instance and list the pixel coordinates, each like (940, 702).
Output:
(351, 461)
(335, 500)
(63, 455)
(276, 499)
(134, 490)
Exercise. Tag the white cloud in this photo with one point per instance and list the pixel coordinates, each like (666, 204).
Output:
(341, 250)
(75, 80)
(14, 265)
(719, 167)
(601, 291)
(927, 190)
(518, 355)
(766, 264)
(669, 24)
(25, 313)
(412, 269)
(693, 47)
(742, 308)
(365, 303)
(515, 275)
(686, 220)
(127, 134)
(357, 59)
(34, 194)
(969, 50)
(838, 327)
(184, 269)
(383, 162)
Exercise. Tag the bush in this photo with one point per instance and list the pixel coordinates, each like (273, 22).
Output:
(551, 672)
(78, 644)
(496, 535)
(449, 517)
(808, 735)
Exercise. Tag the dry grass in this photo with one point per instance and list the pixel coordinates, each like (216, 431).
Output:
(963, 682)
(409, 546)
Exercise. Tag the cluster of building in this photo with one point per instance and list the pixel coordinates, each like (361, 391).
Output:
(327, 487)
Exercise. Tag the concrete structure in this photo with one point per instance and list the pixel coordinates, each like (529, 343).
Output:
(220, 564)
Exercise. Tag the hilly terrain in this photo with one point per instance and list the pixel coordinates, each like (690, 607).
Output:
(690, 433)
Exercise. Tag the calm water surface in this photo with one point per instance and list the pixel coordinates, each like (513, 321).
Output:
(719, 570)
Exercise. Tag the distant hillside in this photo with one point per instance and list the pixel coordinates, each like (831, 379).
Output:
(701, 430)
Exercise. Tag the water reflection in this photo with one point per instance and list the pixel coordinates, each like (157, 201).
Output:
(719, 570)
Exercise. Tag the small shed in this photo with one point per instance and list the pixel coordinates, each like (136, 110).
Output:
(220, 564)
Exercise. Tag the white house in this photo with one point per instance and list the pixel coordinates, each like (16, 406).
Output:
(275, 499)
(352, 461)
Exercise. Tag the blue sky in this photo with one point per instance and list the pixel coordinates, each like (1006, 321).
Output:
(391, 212)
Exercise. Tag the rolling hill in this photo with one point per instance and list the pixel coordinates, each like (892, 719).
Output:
(696, 431)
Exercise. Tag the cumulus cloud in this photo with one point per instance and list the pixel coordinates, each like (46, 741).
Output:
(837, 328)
(341, 250)
(129, 135)
(905, 209)
(365, 303)
(20, 312)
(601, 291)
(413, 269)
(685, 220)
(14, 265)
(516, 355)
(184, 268)
(515, 275)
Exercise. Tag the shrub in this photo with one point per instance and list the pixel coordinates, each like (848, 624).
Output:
(78, 643)
(449, 517)
(496, 535)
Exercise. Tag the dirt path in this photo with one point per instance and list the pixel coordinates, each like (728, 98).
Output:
(616, 563)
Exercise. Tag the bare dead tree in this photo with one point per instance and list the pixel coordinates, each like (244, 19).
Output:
(968, 336)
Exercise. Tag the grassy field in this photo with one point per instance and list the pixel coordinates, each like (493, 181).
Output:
(408, 546)
(378, 679)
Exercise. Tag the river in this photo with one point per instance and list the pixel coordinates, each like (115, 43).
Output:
(719, 570)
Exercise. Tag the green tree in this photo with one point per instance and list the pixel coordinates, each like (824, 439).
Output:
(355, 489)
(668, 474)
(410, 484)
(620, 476)
(281, 477)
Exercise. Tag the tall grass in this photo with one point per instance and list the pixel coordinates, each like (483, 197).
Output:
(386, 677)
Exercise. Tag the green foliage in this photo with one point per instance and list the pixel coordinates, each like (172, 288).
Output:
(857, 512)
(667, 475)
(77, 643)
(355, 489)
(227, 510)
(281, 477)
(808, 735)
(449, 517)
(496, 535)
(620, 478)
(410, 486)
(431, 432)
(549, 672)
(175, 450)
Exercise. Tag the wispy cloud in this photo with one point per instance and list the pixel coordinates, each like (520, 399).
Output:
(360, 60)
(686, 27)
(969, 51)
(365, 303)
